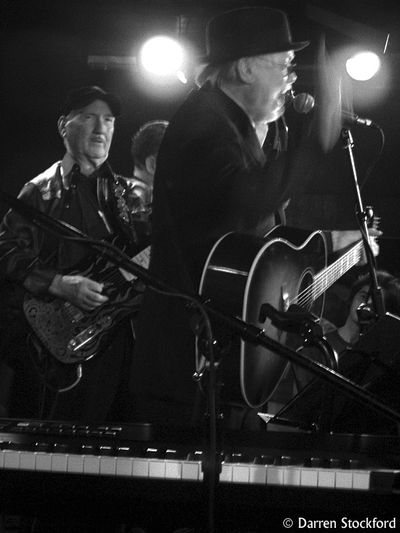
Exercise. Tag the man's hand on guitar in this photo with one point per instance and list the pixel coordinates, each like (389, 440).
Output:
(342, 239)
(78, 290)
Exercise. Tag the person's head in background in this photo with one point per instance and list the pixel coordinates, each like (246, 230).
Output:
(144, 149)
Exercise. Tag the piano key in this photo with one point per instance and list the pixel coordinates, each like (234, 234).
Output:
(11, 459)
(59, 462)
(91, 464)
(191, 471)
(326, 478)
(240, 474)
(75, 463)
(173, 469)
(43, 461)
(258, 474)
(343, 479)
(292, 476)
(124, 466)
(275, 475)
(309, 477)
(140, 467)
(157, 468)
(107, 465)
(361, 480)
(226, 472)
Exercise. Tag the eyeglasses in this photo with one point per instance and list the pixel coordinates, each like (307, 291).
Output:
(286, 68)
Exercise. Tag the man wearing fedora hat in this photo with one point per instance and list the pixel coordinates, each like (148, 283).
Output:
(226, 164)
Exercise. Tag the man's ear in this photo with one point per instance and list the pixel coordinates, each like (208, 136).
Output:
(245, 70)
(61, 125)
(151, 164)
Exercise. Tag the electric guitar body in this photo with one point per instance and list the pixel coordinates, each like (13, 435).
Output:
(72, 335)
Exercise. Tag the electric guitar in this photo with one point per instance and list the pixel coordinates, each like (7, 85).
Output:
(72, 335)
(243, 272)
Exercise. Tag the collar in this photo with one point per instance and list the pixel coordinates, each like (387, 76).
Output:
(68, 163)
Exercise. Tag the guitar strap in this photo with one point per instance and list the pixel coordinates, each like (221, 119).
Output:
(111, 195)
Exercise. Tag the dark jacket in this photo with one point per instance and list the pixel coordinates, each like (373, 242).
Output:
(29, 259)
(28, 253)
(212, 177)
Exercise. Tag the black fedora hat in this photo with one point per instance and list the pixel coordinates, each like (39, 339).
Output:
(84, 96)
(248, 31)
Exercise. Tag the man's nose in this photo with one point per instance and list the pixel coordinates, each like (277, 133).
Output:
(292, 77)
(100, 125)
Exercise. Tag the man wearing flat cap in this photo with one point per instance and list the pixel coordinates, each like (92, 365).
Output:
(226, 164)
(82, 191)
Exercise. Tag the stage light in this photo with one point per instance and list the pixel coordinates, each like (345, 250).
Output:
(363, 66)
(162, 56)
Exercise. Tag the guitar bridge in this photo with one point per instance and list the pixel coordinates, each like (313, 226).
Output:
(90, 333)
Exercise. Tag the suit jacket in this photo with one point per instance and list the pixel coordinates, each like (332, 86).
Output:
(212, 177)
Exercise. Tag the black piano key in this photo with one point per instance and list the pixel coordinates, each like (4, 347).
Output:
(264, 460)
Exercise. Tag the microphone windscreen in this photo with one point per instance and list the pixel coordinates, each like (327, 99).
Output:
(303, 103)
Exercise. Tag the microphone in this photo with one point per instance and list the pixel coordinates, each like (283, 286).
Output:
(305, 102)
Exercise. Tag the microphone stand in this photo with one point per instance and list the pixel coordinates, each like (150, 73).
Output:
(246, 331)
(363, 216)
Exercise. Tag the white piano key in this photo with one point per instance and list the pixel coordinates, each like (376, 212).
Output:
(275, 475)
(140, 467)
(326, 478)
(361, 480)
(91, 464)
(258, 474)
(157, 468)
(173, 469)
(240, 473)
(226, 473)
(27, 460)
(108, 465)
(75, 463)
(191, 470)
(343, 479)
(124, 466)
(291, 476)
(59, 462)
(309, 477)
(43, 461)
(11, 459)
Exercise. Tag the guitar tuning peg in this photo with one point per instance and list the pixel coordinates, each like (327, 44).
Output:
(369, 214)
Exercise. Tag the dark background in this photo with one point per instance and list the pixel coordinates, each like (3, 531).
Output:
(45, 52)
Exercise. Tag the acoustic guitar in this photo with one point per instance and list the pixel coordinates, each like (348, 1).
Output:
(243, 272)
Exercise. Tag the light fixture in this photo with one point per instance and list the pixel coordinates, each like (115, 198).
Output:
(363, 66)
(162, 56)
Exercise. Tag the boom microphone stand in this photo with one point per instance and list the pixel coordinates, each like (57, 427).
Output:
(363, 217)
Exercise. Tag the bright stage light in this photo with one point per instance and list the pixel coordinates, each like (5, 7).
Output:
(363, 66)
(162, 56)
